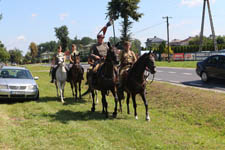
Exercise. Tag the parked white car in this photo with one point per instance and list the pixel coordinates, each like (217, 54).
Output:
(17, 83)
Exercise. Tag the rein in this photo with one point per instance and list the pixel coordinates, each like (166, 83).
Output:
(148, 76)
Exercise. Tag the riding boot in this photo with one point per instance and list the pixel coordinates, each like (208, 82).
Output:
(53, 75)
(68, 75)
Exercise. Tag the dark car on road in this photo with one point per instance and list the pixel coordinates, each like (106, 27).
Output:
(211, 67)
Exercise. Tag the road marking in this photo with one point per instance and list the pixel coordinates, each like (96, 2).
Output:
(158, 79)
(174, 81)
(171, 72)
(159, 71)
(189, 74)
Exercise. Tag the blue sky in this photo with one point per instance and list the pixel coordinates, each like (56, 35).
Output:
(26, 21)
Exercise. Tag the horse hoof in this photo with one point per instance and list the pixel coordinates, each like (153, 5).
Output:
(114, 115)
(93, 109)
(148, 118)
(136, 117)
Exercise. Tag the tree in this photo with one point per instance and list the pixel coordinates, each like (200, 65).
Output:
(111, 40)
(15, 56)
(136, 45)
(27, 59)
(125, 9)
(220, 40)
(33, 50)
(161, 49)
(4, 55)
(86, 41)
(62, 34)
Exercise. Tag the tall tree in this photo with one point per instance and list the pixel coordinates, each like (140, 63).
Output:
(4, 55)
(62, 34)
(33, 50)
(86, 41)
(125, 9)
(15, 56)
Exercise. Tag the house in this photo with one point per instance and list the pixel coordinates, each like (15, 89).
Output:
(184, 42)
(154, 41)
(175, 42)
(46, 56)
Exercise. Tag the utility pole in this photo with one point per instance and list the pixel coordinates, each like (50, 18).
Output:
(211, 24)
(168, 37)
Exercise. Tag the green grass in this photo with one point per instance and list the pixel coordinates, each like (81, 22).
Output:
(182, 64)
(181, 118)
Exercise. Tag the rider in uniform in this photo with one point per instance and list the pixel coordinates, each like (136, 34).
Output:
(55, 62)
(98, 52)
(127, 58)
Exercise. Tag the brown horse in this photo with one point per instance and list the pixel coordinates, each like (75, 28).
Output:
(107, 79)
(76, 72)
(135, 83)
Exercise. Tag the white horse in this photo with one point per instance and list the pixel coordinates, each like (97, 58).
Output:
(61, 76)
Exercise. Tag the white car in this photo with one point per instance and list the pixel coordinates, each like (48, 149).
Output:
(17, 83)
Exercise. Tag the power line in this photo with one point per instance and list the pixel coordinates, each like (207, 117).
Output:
(147, 28)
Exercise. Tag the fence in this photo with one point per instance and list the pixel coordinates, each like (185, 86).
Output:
(198, 56)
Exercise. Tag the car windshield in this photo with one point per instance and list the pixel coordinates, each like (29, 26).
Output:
(15, 74)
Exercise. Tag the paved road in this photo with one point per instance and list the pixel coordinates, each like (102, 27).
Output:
(183, 76)
(186, 77)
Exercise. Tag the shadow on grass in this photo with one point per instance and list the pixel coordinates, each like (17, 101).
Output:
(64, 116)
(68, 101)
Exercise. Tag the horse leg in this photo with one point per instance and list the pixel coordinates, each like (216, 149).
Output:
(71, 84)
(134, 105)
(60, 91)
(116, 103)
(105, 105)
(80, 89)
(128, 101)
(75, 91)
(93, 101)
(146, 105)
(56, 85)
(63, 88)
(96, 93)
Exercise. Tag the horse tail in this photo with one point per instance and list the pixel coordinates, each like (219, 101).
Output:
(85, 93)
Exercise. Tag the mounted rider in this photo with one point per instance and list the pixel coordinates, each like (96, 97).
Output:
(55, 62)
(74, 59)
(98, 52)
(127, 58)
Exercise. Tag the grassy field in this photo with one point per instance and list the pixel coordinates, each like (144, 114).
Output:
(183, 64)
(181, 118)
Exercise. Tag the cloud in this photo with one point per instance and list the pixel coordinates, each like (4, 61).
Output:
(33, 15)
(193, 3)
(63, 16)
(21, 38)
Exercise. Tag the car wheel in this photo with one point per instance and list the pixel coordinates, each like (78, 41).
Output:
(204, 77)
(37, 97)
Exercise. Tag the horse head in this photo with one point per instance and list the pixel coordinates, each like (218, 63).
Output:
(111, 55)
(61, 63)
(150, 62)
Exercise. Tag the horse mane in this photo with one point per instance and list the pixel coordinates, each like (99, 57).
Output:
(138, 62)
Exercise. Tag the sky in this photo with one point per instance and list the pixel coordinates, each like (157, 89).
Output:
(26, 21)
